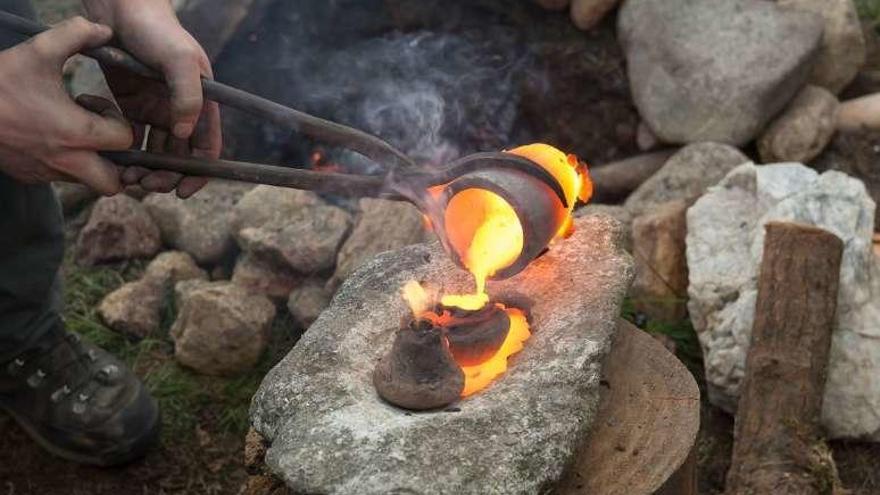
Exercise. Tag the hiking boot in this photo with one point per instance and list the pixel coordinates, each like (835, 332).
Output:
(79, 402)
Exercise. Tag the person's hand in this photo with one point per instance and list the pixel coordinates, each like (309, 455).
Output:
(181, 121)
(44, 135)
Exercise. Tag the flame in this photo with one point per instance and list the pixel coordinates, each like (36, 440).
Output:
(489, 227)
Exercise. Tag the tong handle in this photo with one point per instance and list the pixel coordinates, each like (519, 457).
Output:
(329, 132)
(353, 186)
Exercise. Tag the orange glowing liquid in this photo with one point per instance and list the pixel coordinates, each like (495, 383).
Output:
(478, 377)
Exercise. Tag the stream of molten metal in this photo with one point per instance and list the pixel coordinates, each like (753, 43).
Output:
(495, 242)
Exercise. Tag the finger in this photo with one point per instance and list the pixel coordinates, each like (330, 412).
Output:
(207, 140)
(133, 175)
(184, 79)
(97, 124)
(157, 140)
(178, 147)
(190, 185)
(69, 37)
(161, 181)
(90, 169)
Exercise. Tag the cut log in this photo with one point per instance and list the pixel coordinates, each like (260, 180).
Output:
(646, 427)
(777, 445)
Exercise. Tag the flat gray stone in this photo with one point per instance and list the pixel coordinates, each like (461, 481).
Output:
(715, 70)
(330, 432)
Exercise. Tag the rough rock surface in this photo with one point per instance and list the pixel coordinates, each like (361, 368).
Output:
(660, 286)
(330, 432)
(857, 155)
(119, 229)
(843, 46)
(715, 70)
(381, 226)
(135, 309)
(724, 250)
(197, 225)
(686, 175)
(262, 276)
(308, 301)
(290, 228)
(221, 328)
(803, 130)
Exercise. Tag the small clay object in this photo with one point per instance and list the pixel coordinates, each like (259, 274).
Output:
(476, 337)
(419, 372)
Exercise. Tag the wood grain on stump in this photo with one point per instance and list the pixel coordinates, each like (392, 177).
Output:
(777, 445)
(646, 427)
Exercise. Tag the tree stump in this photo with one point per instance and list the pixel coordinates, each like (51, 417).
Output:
(777, 446)
(646, 427)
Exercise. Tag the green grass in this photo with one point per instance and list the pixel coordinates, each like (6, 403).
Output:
(869, 10)
(187, 399)
(687, 345)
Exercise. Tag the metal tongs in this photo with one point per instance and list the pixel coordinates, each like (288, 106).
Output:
(404, 180)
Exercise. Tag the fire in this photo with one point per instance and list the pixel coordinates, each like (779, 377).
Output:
(490, 228)
(491, 236)
(477, 377)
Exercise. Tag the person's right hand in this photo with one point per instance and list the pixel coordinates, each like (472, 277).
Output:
(44, 135)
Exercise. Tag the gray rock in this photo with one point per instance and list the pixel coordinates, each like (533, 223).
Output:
(119, 228)
(857, 155)
(135, 309)
(715, 70)
(686, 175)
(265, 277)
(381, 226)
(174, 266)
(73, 196)
(843, 46)
(803, 130)
(221, 328)
(268, 204)
(307, 241)
(617, 212)
(290, 228)
(198, 225)
(330, 432)
(308, 301)
(724, 249)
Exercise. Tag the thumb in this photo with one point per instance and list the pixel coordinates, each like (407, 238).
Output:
(70, 37)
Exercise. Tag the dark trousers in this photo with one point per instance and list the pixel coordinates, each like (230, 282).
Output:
(31, 247)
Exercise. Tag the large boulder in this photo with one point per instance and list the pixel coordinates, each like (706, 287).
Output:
(715, 70)
(331, 433)
(803, 129)
(119, 228)
(381, 226)
(221, 328)
(685, 176)
(843, 46)
(724, 249)
(198, 225)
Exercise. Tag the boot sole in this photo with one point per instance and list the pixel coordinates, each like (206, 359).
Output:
(133, 450)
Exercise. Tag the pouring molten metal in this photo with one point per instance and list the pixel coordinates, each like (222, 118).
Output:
(478, 335)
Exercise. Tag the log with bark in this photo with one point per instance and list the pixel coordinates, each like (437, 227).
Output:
(778, 446)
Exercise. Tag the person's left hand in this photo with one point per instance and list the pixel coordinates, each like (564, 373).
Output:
(181, 122)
